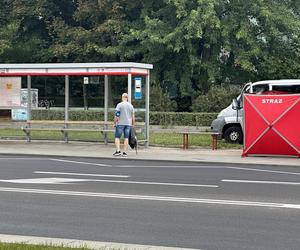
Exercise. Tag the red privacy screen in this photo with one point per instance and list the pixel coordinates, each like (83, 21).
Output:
(272, 125)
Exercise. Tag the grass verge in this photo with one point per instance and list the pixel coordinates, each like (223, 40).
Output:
(12, 246)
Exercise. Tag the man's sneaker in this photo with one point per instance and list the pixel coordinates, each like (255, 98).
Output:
(124, 154)
(117, 153)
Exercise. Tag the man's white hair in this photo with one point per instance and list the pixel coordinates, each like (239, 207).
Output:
(124, 95)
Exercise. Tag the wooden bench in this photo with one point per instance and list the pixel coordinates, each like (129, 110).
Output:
(185, 139)
(64, 127)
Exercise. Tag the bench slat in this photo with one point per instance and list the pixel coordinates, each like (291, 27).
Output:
(45, 129)
(76, 122)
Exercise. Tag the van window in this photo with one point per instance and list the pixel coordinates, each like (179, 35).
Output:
(288, 89)
(258, 89)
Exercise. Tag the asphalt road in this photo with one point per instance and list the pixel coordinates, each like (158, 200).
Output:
(151, 203)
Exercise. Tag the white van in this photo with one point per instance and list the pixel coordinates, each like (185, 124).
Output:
(229, 123)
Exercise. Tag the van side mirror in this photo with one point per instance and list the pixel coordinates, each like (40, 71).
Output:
(236, 104)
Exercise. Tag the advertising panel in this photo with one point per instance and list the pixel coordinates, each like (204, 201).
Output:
(21, 114)
(10, 92)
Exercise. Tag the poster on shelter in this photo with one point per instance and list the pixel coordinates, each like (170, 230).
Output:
(10, 91)
(19, 114)
(34, 97)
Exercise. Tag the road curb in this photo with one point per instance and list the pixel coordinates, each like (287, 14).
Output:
(151, 160)
(89, 150)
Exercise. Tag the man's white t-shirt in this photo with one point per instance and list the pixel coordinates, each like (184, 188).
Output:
(126, 111)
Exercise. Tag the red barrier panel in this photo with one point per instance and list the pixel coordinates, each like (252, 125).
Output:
(271, 125)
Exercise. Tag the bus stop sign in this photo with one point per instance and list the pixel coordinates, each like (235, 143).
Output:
(138, 88)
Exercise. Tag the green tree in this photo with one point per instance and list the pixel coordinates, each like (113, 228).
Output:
(198, 43)
(217, 98)
(160, 100)
(28, 28)
(193, 44)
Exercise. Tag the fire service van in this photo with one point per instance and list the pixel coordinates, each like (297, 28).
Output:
(229, 123)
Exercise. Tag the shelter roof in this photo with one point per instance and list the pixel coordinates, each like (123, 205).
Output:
(73, 69)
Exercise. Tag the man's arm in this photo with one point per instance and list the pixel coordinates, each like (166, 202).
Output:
(117, 116)
(133, 116)
(133, 119)
(116, 120)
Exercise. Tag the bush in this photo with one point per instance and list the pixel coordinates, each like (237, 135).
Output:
(160, 100)
(156, 118)
(217, 98)
(74, 115)
(181, 118)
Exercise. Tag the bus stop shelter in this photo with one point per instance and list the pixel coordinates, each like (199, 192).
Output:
(66, 70)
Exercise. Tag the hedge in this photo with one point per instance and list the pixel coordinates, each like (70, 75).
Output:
(181, 118)
(156, 118)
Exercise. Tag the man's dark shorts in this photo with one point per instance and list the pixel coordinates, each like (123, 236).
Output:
(122, 129)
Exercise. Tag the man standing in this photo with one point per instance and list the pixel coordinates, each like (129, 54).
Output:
(124, 119)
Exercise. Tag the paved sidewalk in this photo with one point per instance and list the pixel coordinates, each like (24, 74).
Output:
(97, 150)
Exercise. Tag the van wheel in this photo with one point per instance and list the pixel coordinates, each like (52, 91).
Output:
(233, 135)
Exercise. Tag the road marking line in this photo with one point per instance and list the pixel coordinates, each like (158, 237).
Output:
(158, 183)
(80, 174)
(117, 166)
(23, 158)
(263, 182)
(264, 170)
(66, 180)
(58, 160)
(167, 166)
(153, 198)
(80, 162)
(44, 181)
(74, 243)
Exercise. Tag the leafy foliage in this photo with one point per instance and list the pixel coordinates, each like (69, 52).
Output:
(193, 44)
(217, 98)
(160, 100)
